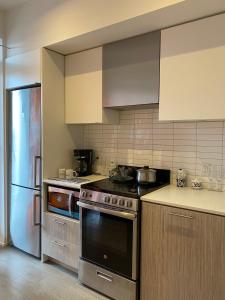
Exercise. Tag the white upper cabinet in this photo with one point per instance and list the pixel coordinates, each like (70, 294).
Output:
(192, 71)
(131, 71)
(83, 89)
(23, 69)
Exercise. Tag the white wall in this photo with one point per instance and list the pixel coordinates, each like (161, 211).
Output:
(23, 69)
(2, 28)
(2, 151)
(2, 138)
(40, 23)
(58, 139)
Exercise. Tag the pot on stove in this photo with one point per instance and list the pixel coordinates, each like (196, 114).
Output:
(146, 175)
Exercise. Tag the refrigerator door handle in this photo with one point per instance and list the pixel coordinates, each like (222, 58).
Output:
(37, 171)
(35, 223)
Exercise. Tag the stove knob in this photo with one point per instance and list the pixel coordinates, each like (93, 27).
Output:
(114, 200)
(121, 202)
(106, 199)
(129, 204)
(84, 194)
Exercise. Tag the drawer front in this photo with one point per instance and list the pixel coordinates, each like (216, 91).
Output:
(62, 228)
(60, 250)
(110, 284)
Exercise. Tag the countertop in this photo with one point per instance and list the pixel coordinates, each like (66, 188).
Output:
(200, 200)
(91, 178)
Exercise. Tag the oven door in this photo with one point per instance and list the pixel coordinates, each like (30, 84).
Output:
(63, 202)
(109, 238)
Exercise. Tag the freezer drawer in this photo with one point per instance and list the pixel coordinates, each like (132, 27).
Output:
(25, 219)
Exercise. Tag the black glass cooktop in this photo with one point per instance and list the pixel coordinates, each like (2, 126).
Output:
(129, 189)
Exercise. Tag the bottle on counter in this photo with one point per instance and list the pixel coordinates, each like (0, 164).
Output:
(181, 178)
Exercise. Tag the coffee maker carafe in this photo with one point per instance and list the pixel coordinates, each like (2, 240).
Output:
(83, 161)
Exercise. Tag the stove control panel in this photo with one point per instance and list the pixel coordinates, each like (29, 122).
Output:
(109, 199)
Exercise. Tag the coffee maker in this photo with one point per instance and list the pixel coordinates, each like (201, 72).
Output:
(83, 161)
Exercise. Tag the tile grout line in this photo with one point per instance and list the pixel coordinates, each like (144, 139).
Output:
(134, 136)
(172, 172)
(152, 111)
(196, 147)
(222, 166)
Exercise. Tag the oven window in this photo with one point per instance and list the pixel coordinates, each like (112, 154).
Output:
(107, 241)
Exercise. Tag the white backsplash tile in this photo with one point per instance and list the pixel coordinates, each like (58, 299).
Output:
(184, 148)
(183, 131)
(141, 139)
(210, 143)
(184, 125)
(210, 131)
(162, 147)
(210, 124)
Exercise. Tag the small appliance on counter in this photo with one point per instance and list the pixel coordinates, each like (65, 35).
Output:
(110, 231)
(83, 161)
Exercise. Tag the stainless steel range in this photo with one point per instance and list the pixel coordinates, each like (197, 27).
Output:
(110, 227)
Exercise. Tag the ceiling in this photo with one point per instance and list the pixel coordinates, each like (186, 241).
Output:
(8, 4)
(179, 13)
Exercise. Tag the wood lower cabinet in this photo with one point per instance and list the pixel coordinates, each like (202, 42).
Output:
(61, 239)
(182, 254)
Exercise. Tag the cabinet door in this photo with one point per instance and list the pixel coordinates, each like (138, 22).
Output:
(131, 71)
(83, 87)
(192, 71)
(182, 254)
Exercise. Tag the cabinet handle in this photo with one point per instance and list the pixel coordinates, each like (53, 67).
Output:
(58, 244)
(179, 215)
(58, 222)
(104, 276)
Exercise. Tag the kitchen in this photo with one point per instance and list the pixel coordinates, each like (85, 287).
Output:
(136, 97)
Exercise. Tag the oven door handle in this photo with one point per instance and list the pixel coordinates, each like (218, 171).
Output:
(121, 214)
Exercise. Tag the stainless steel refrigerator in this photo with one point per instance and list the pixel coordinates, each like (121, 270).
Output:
(25, 168)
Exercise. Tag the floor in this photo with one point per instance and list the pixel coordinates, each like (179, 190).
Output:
(23, 277)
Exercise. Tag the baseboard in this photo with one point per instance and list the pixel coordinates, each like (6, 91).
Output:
(2, 245)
